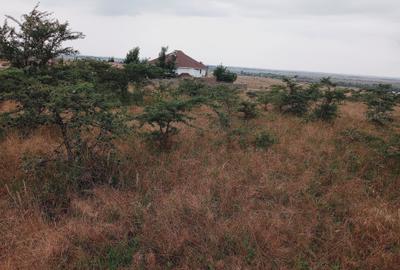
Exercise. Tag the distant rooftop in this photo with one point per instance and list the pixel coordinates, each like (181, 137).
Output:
(183, 60)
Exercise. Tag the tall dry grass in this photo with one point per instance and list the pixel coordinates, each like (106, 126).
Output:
(315, 200)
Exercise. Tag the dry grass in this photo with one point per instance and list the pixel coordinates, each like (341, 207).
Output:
(257, 83)
(7, 106)
(312, 201)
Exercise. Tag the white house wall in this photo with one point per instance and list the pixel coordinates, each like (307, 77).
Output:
(197, 73)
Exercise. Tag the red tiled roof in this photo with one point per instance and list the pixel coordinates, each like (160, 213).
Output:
(183, 60)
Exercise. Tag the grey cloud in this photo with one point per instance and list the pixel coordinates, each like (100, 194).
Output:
(383, 9)
(205, 8)
(214, 8)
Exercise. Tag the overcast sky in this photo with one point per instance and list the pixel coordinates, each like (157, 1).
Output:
(340, 36)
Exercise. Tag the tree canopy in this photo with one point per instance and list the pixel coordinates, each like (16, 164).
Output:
(166, 62)
(132, 57)
(35, 39)
(222, 74)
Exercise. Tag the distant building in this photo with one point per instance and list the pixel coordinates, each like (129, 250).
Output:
(186, 66)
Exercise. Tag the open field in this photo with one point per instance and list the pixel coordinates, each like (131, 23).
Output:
(346, 80)
(320, 198)
(257, 83)
(164, 163)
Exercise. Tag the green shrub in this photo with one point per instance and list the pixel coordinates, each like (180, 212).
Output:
(114, 81)
(380, 102)
(222, 74)
(224, 101)
(162, 115)
(139, 73)
(264, 99)
(387, 148)
(264, 140)
(191, 87)
(313, 92)
(249, 109)
(74, 109)
(293, 99)
(326, 112)
(106, 79)
(327, 109)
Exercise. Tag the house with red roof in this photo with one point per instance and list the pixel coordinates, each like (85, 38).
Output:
(185, 65)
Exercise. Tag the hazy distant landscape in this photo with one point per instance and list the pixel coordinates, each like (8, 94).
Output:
(305, 76)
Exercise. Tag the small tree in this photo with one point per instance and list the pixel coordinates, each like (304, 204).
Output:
(113, 81)
(330, 98)
(28, 93)
(106, 79)
(313, 91)
(167, 61)
(293, 99)
(264, 140)
(222, 74)
(75, 109)
(249, 109)
(380, 102)
(37, 39)
(162, 115)
(132, 56)
(328, 109)
(224, 101)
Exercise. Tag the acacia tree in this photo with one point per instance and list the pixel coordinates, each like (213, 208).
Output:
(327, 109)
(249, 109)
(132, 57)
(224, 101)
(164, 114)
(36, 39)
(76, 109)
(293, 99)
(381, 102)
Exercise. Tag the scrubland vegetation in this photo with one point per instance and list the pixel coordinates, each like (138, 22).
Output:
(106, 168)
